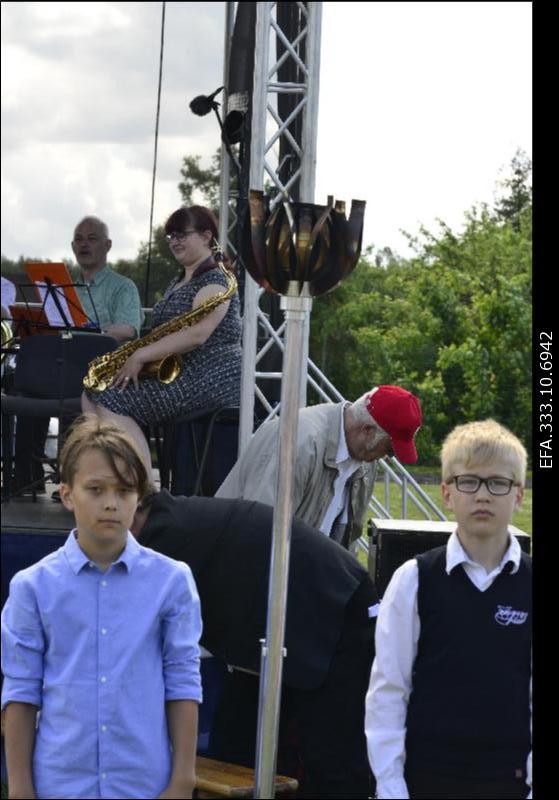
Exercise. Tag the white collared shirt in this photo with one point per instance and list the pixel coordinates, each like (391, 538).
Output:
(391, 676)
(346, 467)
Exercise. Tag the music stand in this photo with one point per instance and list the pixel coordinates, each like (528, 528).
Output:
(29, 318)
(61, 302)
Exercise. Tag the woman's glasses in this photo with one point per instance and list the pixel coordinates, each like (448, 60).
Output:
(179, 236)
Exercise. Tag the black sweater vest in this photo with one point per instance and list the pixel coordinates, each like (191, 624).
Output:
(468, 713)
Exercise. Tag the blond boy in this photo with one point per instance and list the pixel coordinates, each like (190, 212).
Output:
(101, 636)
(448, 711)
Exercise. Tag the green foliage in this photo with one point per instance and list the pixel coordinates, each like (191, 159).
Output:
(197, 180)
(11, 267)
(517, 196)
(452, 324)
(198, 185)
(163, 267)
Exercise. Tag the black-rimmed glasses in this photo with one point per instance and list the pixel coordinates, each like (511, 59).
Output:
(471, 483)
(180, 236)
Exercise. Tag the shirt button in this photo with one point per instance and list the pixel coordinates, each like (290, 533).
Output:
(103, 583)
(91, 564)
(103, 631)
(103, 679)
(103, 727)
(103, 775)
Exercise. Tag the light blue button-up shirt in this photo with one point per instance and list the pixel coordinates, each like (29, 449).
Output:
(99, 653)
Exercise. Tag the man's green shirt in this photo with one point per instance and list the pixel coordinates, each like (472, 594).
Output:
(116, 300)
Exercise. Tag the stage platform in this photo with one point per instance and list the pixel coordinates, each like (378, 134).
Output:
(44, 516)
(31, 530)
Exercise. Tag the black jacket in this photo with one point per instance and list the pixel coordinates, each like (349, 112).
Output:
(226, 543)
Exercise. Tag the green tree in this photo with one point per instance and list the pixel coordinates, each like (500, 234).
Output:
(197, 180)
(452, 324)
(516, 191)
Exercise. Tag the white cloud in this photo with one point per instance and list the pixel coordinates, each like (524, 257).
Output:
(421, 104)
(79, 90)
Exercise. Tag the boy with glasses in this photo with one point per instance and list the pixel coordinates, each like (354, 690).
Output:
(448, 711)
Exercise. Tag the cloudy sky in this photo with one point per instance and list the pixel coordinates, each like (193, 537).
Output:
(421, 106)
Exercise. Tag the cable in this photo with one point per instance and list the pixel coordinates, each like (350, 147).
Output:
(148, 266)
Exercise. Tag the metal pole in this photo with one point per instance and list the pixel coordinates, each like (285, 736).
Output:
(404, 496)
(225, 177)
(310, 114)
(308, 146)
(154, 171)
(297, 308)
(387, 490)
(256, 181)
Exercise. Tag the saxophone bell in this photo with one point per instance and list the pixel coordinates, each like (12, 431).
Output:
(166, 370)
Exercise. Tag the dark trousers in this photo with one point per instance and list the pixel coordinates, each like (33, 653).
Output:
(426, 786)
(326, 724)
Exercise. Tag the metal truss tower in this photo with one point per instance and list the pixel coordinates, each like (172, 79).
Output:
(284, 122)
(283, 136)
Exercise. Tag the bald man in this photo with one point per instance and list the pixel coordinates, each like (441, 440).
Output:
(112, 298)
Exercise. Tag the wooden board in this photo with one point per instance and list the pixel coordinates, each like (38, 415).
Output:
(219, 779)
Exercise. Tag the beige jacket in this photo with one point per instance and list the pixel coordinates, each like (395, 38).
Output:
(254, 476)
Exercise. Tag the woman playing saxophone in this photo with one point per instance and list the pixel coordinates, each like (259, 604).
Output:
(210, 347)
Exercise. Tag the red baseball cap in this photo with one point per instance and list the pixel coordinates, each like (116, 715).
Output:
(398, 412)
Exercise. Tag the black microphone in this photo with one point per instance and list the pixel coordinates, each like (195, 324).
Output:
(203, 104)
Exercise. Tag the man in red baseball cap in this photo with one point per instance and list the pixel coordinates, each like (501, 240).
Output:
(398, 413)
(338, 446)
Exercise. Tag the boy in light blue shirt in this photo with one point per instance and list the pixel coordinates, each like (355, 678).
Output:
(101, 637)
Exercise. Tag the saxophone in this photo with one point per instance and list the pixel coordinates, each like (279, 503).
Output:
(103, 369)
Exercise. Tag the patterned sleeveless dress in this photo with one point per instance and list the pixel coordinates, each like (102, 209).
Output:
(211, 374)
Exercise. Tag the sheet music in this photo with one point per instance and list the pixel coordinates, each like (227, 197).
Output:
(53, 314)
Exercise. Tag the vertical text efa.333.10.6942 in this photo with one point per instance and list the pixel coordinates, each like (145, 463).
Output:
(545, 390)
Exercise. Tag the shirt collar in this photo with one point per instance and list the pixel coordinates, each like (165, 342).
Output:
(99, 277)
(343, 454)
(455, 555)
(78, 559)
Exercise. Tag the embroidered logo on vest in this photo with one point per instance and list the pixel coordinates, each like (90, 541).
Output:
(506, 615)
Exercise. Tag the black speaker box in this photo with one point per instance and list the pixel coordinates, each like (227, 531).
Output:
(393, 541)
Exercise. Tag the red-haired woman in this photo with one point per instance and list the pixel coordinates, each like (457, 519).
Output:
(211, 348)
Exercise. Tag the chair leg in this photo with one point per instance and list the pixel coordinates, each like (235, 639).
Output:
(166, 451)
(154, 433)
